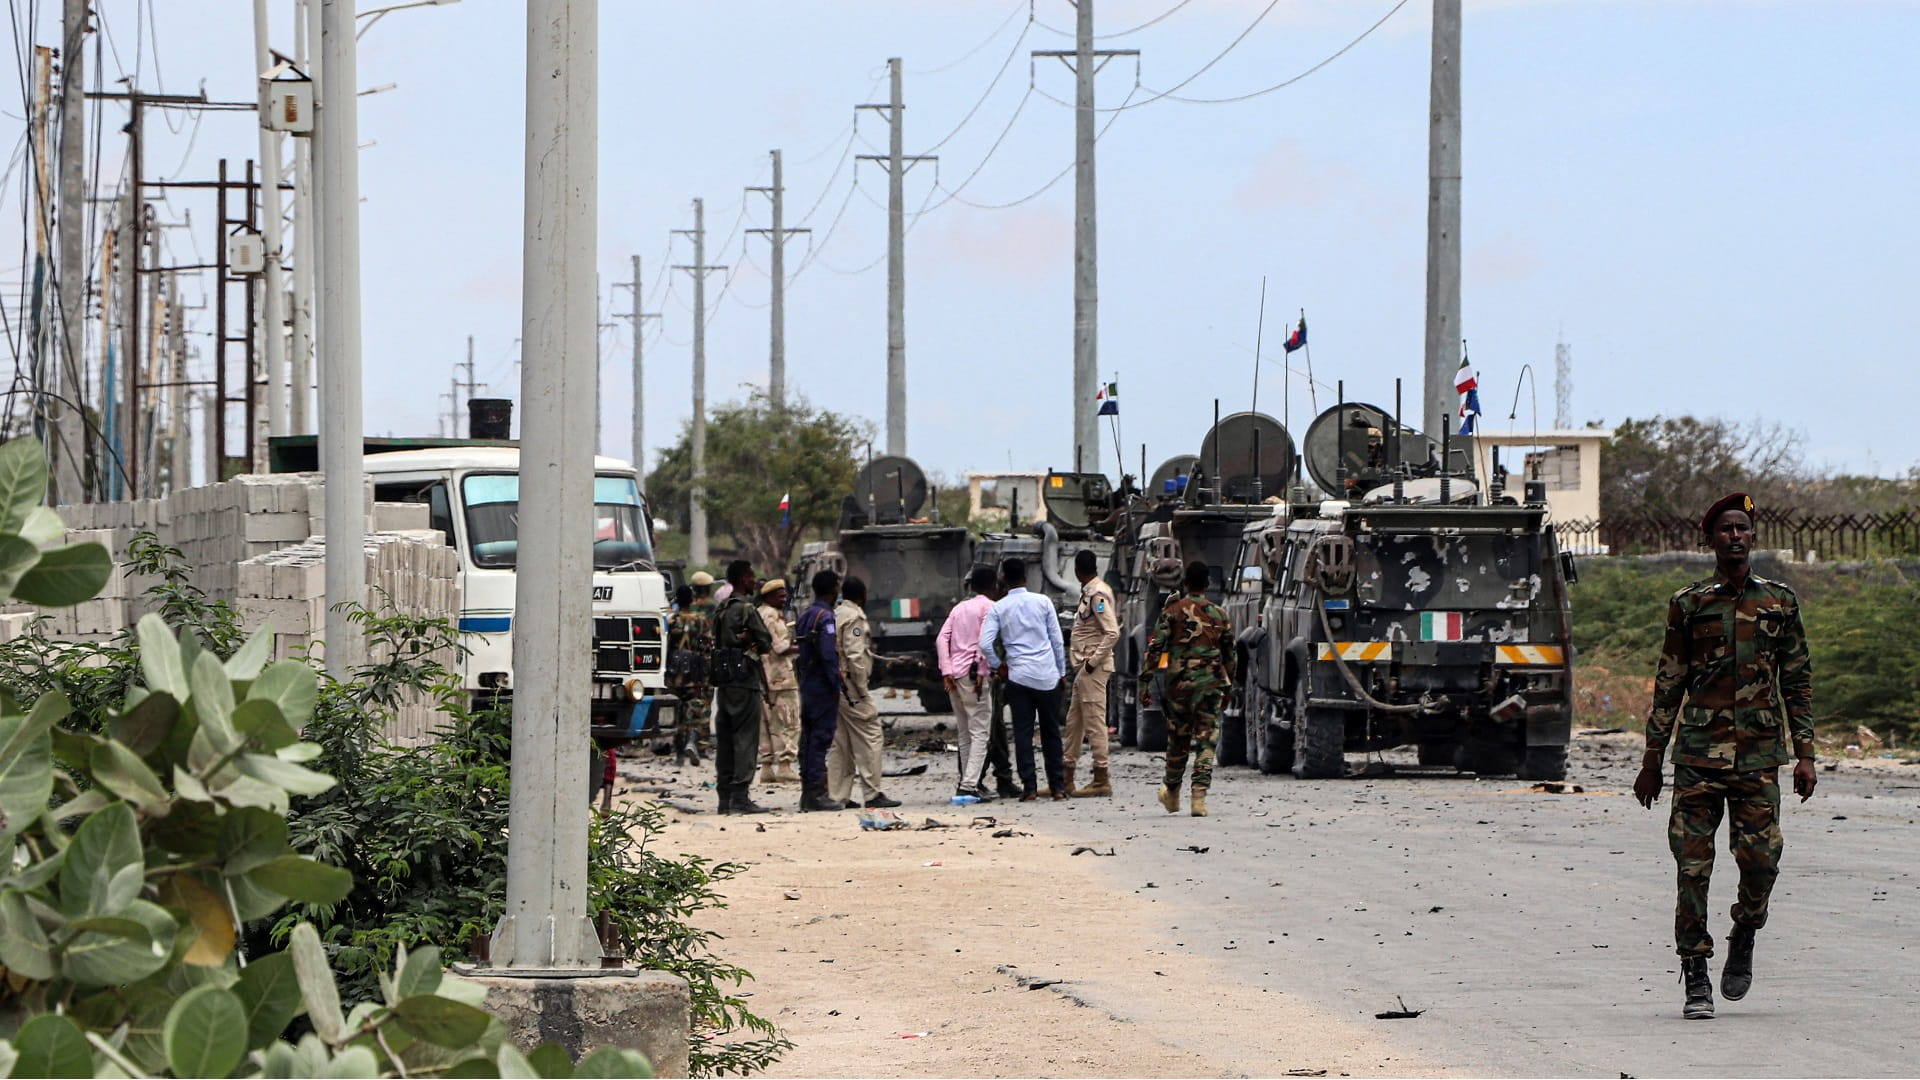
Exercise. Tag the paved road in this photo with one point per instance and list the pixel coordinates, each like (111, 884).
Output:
(1536, 930)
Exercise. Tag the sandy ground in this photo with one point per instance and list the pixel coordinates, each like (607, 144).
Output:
(910, 953)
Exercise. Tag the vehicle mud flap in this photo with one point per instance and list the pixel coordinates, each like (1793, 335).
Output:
(1436, 753)
(1152, 725)
(935, 701)
(1231, 749)
(1320, 737)
(1483, 758)
(1543, 763)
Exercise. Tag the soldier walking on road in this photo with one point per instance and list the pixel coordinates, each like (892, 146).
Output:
(818, 663)
(780, 734)
(1096, 626)
(1192, 646)
(1736, 653)
(740, 639)
(859, 740)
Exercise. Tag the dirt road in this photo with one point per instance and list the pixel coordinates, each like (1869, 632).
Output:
(1532, 930)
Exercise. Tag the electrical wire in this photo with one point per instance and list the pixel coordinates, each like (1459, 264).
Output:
(1157, 19)
(1344, 49)
(991, 86)
(969, 54)
(1204, 68)
(955, 196)
(1004, 132)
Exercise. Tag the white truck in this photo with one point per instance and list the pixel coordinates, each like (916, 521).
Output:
(472, 495)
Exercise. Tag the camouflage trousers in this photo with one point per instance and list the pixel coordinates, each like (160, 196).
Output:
(1751, 803)
(1193, 726)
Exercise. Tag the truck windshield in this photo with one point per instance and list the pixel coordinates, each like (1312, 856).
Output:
(620, 537)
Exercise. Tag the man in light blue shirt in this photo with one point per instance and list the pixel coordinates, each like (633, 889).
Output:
(1028, 628)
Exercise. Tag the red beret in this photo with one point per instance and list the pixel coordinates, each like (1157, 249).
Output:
(1739, 500)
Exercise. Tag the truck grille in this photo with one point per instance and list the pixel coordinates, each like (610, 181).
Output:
(626, 644)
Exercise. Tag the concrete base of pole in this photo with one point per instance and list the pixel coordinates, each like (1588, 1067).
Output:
(584, 1010)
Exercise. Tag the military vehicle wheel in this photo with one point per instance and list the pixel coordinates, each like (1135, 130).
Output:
(1436, 753)
(1320, 735)
(1543, 763)
(1486, 759)
(935, 700)
(1152, 729)
(1231, 749)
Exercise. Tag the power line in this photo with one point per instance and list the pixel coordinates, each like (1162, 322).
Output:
(1344, 49)
(969, 54)
(1204, 68)
(1156, 20)
(991, 85)
(955, 196)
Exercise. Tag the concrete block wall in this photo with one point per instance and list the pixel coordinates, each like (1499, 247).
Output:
(256, 542)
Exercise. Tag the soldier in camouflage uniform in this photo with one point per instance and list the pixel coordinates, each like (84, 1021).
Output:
(1192, 647)
(1736, 654)
(693, 631)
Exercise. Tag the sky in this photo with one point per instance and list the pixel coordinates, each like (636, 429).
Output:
(1710, 201)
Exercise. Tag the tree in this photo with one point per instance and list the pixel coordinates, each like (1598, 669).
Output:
(1666, 467)
(756, 453)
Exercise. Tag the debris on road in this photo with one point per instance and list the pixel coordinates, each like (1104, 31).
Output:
(1085, 850)
(913, 1034)
(1042, 984)
(932, 823)
(1196, 849)
(1402, 1013)
(984, 822)
(933, 862)
(1305, 1072)
(792, 894)
(1604, 731)
(881, 819)
(908, 770)
(1005, 833)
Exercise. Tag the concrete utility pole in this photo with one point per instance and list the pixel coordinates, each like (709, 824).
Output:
(546, 924)
(306, 33)
(179, 423)
(67, 378)
(1562, 386)
(1086, 62)
(342, 451)
(273, 318)
(897, 164)
(639, 320)
(472, 387)
(777, 356)
(1443, 216)
(697, 511)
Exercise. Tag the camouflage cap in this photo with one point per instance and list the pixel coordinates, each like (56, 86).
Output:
(1739, 500)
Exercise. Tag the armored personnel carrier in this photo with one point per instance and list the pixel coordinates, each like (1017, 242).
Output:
(1199, 515)
(1420, 612)
(1070, 504)
(915, 569)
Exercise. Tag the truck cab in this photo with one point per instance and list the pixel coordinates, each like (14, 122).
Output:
(472, 493)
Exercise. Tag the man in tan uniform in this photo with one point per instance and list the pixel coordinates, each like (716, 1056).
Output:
(859, 741)
(780, 735)
(1096, 626)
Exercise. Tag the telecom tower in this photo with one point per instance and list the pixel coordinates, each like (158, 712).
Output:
(1562, 386)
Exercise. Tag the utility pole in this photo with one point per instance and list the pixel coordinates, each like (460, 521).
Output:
(1086, 62)
(897, 164)
(1562, 386)
(1443, 215)
(179, 423)
(306, 230)
(342, 452)
(777, 235)
(639, 320)
(273, 320)
(696, 497)
(545, 924)
(462, 393)
(68, 378)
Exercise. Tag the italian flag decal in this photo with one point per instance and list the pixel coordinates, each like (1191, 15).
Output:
(1439, 626)
(905, 609)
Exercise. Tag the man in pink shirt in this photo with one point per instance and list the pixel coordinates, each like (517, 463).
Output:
(965, 671)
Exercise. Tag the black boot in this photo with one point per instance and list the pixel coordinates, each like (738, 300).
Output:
(726, 798)
(743, 803)
(813, 795)
(1693, 972)
(1737, 976)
